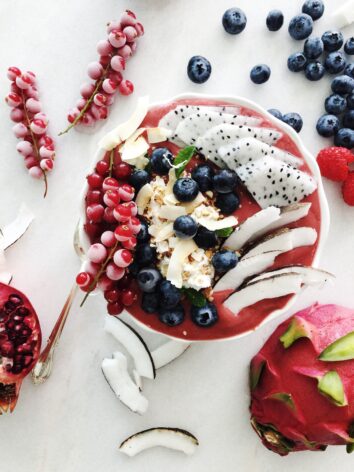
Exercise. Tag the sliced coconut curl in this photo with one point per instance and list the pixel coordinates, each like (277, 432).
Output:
(133, 343)
(310, 275)
(116, 374)
(168, 352)
(172, 438)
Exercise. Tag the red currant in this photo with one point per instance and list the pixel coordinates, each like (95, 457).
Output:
(130, 243)
(122, 258)
(112, 296)
(108, 215)
(94, 180)
(128, 297)
(111, 198)
(84, 279)
(126, 87)
(124, 282)
(134, 224)
(108, 238)
(113, 272)
(94, 196)
(92, 230)
(105, 283)
(123, 233)
(126, 192)
(110, 183)
(102, 167)
(95, 212)
(122, 171)
(97, 253)
(133, 207)
(122, 213)
(115, 308)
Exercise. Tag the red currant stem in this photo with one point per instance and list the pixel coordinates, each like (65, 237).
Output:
(88, 103)
(99, 273)
(35, 144)
(111, 162)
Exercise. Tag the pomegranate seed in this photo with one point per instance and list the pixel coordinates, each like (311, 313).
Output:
(108, 215)
(94, 180)
(112, 296)
(114, 308)
(123, 233)
(95, 70)
(118, 63)
(130, 243)
(122, 258)
(126, 192)
(122, 213)
(110, 183)
(128, 297)
(13, 72)
(108, 238)
(134, 224)
(93, 196)
(117, 38)
(113, 272)
(95, 212)
(122, 171)
(111, 198)
(7, 349)
(97, 253)
(126, 87)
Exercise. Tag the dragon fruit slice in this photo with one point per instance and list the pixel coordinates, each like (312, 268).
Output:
(300, 398)
(272, 182)
(218, 136)
(250, 149)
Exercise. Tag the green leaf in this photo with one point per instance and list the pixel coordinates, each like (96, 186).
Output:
(196, 298)
(183, 157)
(224, 232)
(340, 350)
(331, 386)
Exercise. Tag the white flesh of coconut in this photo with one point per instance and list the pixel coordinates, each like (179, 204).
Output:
(234, 278)
(116, 373)
(133, 150)
(172, 438)
(143, 198)
(310, 275)
(214, 225)
(272, 287)
(17, 228)
(168, 352)
(133, 343)
(138, 379)
(171, 212)
(158, 134)
(289, 214)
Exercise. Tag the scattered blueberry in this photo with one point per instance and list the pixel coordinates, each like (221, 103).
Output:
(227, 202)
(205, 238)
(335, 104)
(143, 236)
(150, 302)
(145, 254)
(224, 181)
(335, 62)
(139, 178)
(327, 125)
(314, 71)
(348, 119)
(148, 279)
(294, 120)
(300, 26)
(314, 8)
(234, 21)
(260, 73)
(185, 227)
(185, 189)
(224, 260)
(276, 113)
(172, 316)
(332, 40)
(343, 84)
(275, 20)
(350, 101)
(349, 70)
(198, 69)
(344, 138)
(134, 268)
(297, 62)
(349, 46)
(204, 316)
(170, 295)
(203, 175)
(313, 48)
(161, 161)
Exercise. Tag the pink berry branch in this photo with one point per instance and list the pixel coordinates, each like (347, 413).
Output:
(114, 51)
(35, 146)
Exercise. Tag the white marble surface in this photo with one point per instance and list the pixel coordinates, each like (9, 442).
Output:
(73, 423)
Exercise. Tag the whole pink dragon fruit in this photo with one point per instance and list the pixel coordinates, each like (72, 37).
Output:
(302, 382)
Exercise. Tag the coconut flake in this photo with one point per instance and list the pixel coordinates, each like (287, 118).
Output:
(158, 134)
(168, 352)
(290, 214)
(172, 438)
(180, 253)
(214, 225)
(310, 275)
(143, 198)
(135, 149)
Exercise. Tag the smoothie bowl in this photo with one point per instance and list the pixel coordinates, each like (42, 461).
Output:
(203, 217)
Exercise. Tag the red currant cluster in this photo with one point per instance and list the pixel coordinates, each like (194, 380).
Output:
(97, 96)
(111, 221)
(36, 146)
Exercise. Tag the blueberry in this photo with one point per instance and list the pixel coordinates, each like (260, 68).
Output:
(335, 104)
(348, 119)
(224, 260)
(276, 113)
(224, 181)
(185, 189)
(134, 268)
(198, 69)
(204, 316)
(172, 316)
(313, 48)
(170, 296)
(203, 175)
(275, 20)
(227, 202)
(349, 46)
(332, 40)
(234, 21)
(335, 62)
(148, 279)
(185, 227)
(143, 236)
(205, 238)
(344, 138)
(161, 161)
(300, 26)
(297, 62)
(150, 302)
(314, 71)
(327, 125)
(260, 73)
(138, 179)
(314, 8)
(349, 70)
(350, 101)
(343, 84)
(294, 120)
(145, 254)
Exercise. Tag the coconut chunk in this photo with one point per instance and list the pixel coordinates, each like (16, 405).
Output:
(290, 214)
(13, 231)
(133, 150)
(214, 225)
(168, 352)
(158, 134)
(172, 438)
(310, 275)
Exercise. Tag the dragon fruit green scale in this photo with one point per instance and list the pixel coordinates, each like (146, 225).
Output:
(302, 383)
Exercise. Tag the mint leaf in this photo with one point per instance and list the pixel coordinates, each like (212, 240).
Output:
(196, 298)
(224, 232)
(183, 157)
